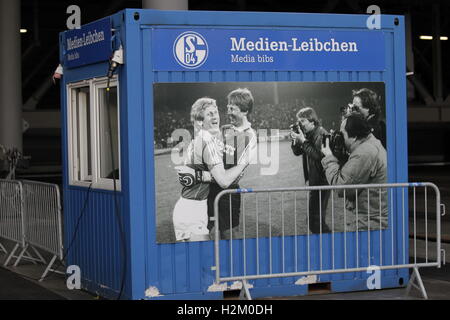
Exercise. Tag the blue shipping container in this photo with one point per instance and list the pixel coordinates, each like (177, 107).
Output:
(115, 237)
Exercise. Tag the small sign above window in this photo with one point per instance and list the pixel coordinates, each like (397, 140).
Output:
(90, 44)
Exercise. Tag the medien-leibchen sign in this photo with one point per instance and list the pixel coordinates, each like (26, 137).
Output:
(90, 44)
(275, 50)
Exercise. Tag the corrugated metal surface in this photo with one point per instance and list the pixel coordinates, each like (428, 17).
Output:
(96, 246)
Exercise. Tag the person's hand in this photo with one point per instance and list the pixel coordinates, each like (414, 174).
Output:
(188, 176)
(300, 137)
(326, 149)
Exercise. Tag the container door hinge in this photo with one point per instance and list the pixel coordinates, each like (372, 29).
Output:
(442, 209)
(213, 268)
(443, 256)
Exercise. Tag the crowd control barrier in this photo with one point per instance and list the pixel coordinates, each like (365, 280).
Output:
(11, 216)
(30, 216)
(43, 221)
(367, 240)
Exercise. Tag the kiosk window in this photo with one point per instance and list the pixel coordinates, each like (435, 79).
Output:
(93, 123)
(81, 133)
(108, 123)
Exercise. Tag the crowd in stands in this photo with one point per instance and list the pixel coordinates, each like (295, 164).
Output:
(264, 116)
(165, 123)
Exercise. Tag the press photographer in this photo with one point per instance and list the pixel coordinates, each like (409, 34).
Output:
(366, 102)
(307, 136)
(367, 164)
(337, 145)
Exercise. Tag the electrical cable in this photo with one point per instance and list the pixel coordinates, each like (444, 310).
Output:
(111, 69)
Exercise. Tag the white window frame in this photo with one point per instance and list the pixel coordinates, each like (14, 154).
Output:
(105, 183)
(75, 159)
(79, 161)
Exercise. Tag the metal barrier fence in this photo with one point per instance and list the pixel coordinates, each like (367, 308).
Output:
(30, 216)
(43, 222)
(368, 227)
(11, 215)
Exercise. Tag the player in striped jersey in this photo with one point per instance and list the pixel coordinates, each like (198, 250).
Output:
(190, 217)
(240, 144)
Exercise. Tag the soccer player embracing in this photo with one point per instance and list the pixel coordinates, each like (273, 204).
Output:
(203, 160)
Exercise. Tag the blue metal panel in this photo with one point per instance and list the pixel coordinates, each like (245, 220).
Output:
(135, 141)
(95, 251)
(255, 19)
(151, 251)
(97, 245)
(401, 118)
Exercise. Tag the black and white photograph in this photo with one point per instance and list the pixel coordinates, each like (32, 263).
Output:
(210, 137)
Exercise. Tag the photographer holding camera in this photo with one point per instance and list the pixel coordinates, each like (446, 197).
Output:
(367, 164)
(365, 101)
(307, 136)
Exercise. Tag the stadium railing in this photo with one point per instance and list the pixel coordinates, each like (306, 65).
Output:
(349, 247)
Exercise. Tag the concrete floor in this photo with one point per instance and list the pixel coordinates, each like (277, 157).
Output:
(15, 287)
(21, 282)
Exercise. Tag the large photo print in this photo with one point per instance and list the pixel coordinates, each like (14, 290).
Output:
(210, 137)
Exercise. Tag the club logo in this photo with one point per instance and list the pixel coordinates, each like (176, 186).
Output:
(190, 50)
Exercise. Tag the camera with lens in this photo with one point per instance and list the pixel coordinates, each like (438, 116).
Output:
(337, 145)
(296, 127)
(350, 108)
